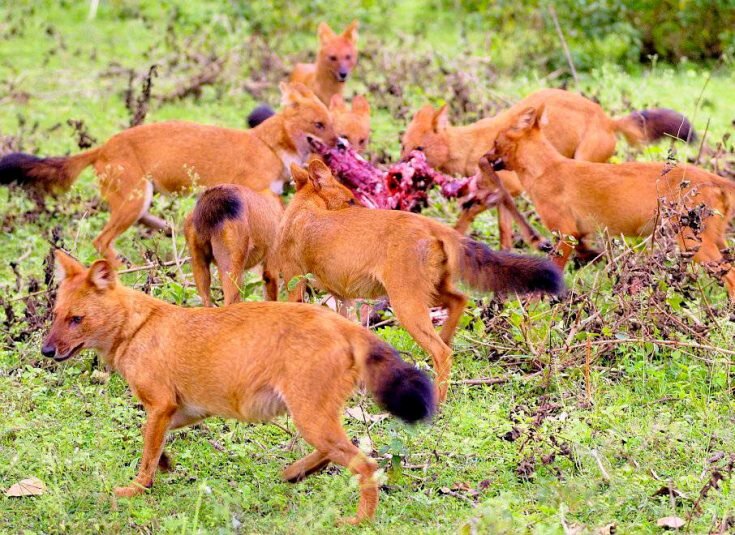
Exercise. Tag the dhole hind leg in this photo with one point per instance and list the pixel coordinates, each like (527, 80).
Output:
(201, 260)
(230, 258)
(414, 316)
(712, 238)
(128, 195)
(311, 464)
(455, 302)
(270, 281)
(321, 428)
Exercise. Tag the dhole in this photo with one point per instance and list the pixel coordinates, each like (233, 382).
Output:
(352, 124)
(175, 155)
(576, 198)
(235, 228)
(249, 361)
(336, 58)
(577, 127)
(356, 252)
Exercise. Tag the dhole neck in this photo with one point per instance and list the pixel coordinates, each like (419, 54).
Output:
(272, 132)
(325, 84)
(533, 156)
(457, 150)
(132, 311)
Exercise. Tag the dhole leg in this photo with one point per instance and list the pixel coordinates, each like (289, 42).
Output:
(159, 419)
(709, 253)
(455, 303)
(312, 463)
(200, 265)
(230, 264)
(128, 194)
(325, 433)
(270, 280)
(414, 317)
(156, 223)
(505, 228)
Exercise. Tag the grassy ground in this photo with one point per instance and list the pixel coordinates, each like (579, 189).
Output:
(550, 449)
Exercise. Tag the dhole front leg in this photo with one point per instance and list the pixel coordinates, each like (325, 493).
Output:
(154, 432)
(468, 216)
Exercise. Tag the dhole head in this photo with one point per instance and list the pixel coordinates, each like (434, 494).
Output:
(305, 118)
(317, 183)
(352, 124)
(427, 133)
(82, 317)
(338, 52)
(525, 125)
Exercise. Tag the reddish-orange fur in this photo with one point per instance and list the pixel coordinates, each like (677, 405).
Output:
(353, 124)
(249, 361)
(336, 58)
(577, 198)
(577, 128)
(355, 252)
(173, 156)
(234, 243)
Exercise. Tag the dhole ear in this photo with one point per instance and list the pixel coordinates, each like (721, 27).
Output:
(350, 32)
(337, 103)
(102, 275)
(319, 174)
(360, 105)
(293, 94)
(300, 176)
(441, 118)
(525, 120)
(542, 118)
(325, 33)
(65, 266)
(425, 114)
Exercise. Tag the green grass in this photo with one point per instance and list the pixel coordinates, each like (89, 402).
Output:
(657, 413)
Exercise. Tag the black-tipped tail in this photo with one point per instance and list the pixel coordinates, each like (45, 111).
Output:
(260, 114)
(47, 174)
(216, 205)
(398, 387)
(499, 271)
(647, 126)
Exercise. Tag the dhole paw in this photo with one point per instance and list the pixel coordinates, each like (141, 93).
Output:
(352, 521)
(129, 491)
(441, 393)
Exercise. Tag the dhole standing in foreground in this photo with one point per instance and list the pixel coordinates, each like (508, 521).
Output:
(250, 361)
(176, 155)
(236, 228)
(356, 252)
(578, 198)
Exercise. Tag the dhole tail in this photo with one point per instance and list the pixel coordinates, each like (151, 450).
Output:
(50, 175)
(648, 126)
(260, 114)
(398, 387)
(216, 205)
(499, 271)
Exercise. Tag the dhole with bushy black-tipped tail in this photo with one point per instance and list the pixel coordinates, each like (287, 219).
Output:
(174, 156)
(355, 252)
(249, 361)
(235, 228)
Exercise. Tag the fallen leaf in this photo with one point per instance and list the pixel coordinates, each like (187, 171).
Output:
(668, 490)
(27, 487)
(99, 377)
(670, 522)
(359, 414)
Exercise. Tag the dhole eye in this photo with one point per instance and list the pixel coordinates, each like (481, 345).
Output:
(362, 141)
(351, 202)
(333, 58)
(419, 148)
(75, 320)
(348, 57)
(319, 125)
